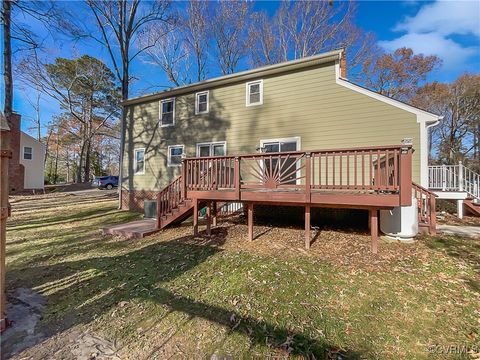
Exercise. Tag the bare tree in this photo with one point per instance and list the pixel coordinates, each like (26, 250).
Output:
(196, 30)
(230, 33)
(14, 28)
(119, 23)
(398, 74)
(266, 39)
(459, 102)
(182, 49)
(35, 104)
(304, 28)
(170, 52)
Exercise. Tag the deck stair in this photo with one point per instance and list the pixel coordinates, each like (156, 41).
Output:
(172, 205)
(472, 206)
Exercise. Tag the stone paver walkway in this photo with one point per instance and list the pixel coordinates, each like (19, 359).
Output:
(460, 230)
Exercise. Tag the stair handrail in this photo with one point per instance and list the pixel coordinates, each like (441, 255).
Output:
(426, 201)
(471, 181)
(169, 198)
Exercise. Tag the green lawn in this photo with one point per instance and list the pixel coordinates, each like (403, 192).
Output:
(171, 294)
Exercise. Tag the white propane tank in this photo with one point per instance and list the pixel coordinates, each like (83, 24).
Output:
(401, 223)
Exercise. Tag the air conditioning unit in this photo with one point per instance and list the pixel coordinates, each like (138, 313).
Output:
(150, 209)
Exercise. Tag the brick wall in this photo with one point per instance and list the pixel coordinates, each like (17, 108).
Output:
(16, 171)
(133, 200)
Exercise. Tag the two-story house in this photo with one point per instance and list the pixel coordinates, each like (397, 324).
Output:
(301, 105)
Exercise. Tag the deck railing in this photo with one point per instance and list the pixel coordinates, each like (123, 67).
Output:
(454, 178)
(382, 169)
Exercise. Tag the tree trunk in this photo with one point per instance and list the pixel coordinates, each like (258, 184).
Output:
(123, 126)
(39, 136)
(86, 172)
(80, 162)
(55, 178)
(7, 58)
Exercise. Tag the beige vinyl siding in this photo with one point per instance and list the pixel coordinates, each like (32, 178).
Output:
(307, 103)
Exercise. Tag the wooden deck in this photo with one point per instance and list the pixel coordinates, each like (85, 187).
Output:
(370, 178)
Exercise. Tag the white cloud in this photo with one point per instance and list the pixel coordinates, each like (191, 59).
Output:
(430, 30)
(452, 54)
(446, 18)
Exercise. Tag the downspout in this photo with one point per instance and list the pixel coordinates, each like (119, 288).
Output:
(433, 123)
(424, 181)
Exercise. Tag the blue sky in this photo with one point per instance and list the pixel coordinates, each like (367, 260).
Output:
(448, 29)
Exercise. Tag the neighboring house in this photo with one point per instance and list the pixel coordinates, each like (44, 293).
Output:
(299, 105)
(27, 165)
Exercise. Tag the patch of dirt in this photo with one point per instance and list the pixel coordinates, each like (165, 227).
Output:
(337, 247)
(72, 344)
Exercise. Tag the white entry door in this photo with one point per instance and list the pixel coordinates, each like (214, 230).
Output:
(281, 145)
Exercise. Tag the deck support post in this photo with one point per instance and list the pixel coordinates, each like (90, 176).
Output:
(433, 215)
(250, 221)
(460, 209)
(307, 227)
(374, 229)
(209, 218)
(214, 213)
(195, 217)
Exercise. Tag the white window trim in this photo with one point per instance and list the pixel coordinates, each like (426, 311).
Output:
(23, 152)
(247, 93)
(297, 139)
(197, 103)
(161, 113)
(135, 161)
(169, 155)
(211, 143)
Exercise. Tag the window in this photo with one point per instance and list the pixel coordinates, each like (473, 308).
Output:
(139, 161)
(175, 155)
(201, 102)
(27, 153)
(255, 93)
(212, 149)
(167, 112)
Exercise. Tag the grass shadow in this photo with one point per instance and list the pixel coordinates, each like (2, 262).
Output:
(81, 287)
(465, 249)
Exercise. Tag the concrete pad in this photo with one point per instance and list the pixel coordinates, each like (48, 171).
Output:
(133, 230)
(460, 230)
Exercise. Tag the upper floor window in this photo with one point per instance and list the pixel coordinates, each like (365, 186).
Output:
(167, 112)
(201, 102)
(27, 153)
(139, 161)
(175, 155)
(255, 93)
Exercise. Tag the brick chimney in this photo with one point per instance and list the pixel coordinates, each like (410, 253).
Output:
(343, 64)
(16, 171)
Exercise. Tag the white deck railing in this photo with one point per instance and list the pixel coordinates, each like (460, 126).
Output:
(454, 178)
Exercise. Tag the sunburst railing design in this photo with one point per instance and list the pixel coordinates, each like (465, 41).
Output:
(273, 171)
